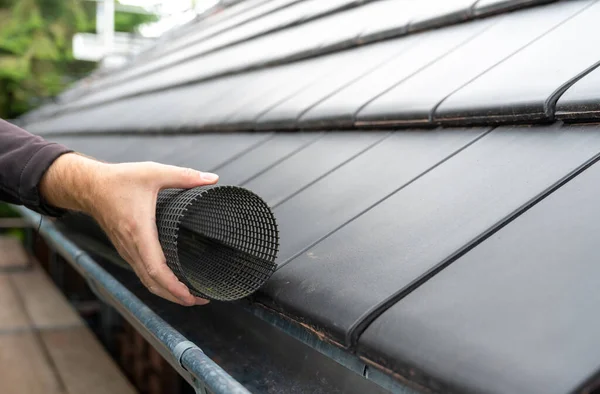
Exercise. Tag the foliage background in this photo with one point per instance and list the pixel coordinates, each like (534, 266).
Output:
(36, 60)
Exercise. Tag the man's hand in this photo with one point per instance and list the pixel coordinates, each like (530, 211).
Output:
(122, 198)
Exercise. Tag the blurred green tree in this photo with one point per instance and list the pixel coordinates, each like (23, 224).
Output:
(36, 59)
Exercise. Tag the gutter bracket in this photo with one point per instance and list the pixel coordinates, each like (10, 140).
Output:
(181, 348)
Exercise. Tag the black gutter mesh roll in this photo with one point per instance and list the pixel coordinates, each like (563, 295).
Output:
(221, 241)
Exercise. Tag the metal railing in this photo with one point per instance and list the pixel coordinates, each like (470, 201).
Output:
(187, 358)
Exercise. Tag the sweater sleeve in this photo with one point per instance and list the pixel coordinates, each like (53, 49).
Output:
(24, 159)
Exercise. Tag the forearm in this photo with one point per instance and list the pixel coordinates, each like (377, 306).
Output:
(72, 182)
(120, 197)
(24, 159)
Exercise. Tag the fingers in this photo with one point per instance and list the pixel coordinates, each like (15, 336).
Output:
(154, 263)
(154, 288)
(157, 289)
(127, 213)
(201, 301)
(148, 263)
(142, 273)
(184, 178)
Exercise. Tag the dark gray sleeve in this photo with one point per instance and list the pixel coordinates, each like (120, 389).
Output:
(24, 159)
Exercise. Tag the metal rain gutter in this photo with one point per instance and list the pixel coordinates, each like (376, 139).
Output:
(187, 358)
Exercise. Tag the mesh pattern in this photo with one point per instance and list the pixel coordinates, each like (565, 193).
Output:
(221, 241)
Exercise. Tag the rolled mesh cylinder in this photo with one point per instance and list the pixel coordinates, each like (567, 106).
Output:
(221, 241)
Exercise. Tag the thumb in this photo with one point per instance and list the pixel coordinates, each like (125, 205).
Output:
(184, 178)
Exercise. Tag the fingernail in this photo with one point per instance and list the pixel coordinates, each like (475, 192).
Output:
(201, 301)
(207, 176)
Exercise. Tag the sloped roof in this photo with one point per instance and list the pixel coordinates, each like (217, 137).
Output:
(437, 216)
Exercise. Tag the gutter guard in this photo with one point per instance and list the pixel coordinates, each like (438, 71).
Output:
(220, 241)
